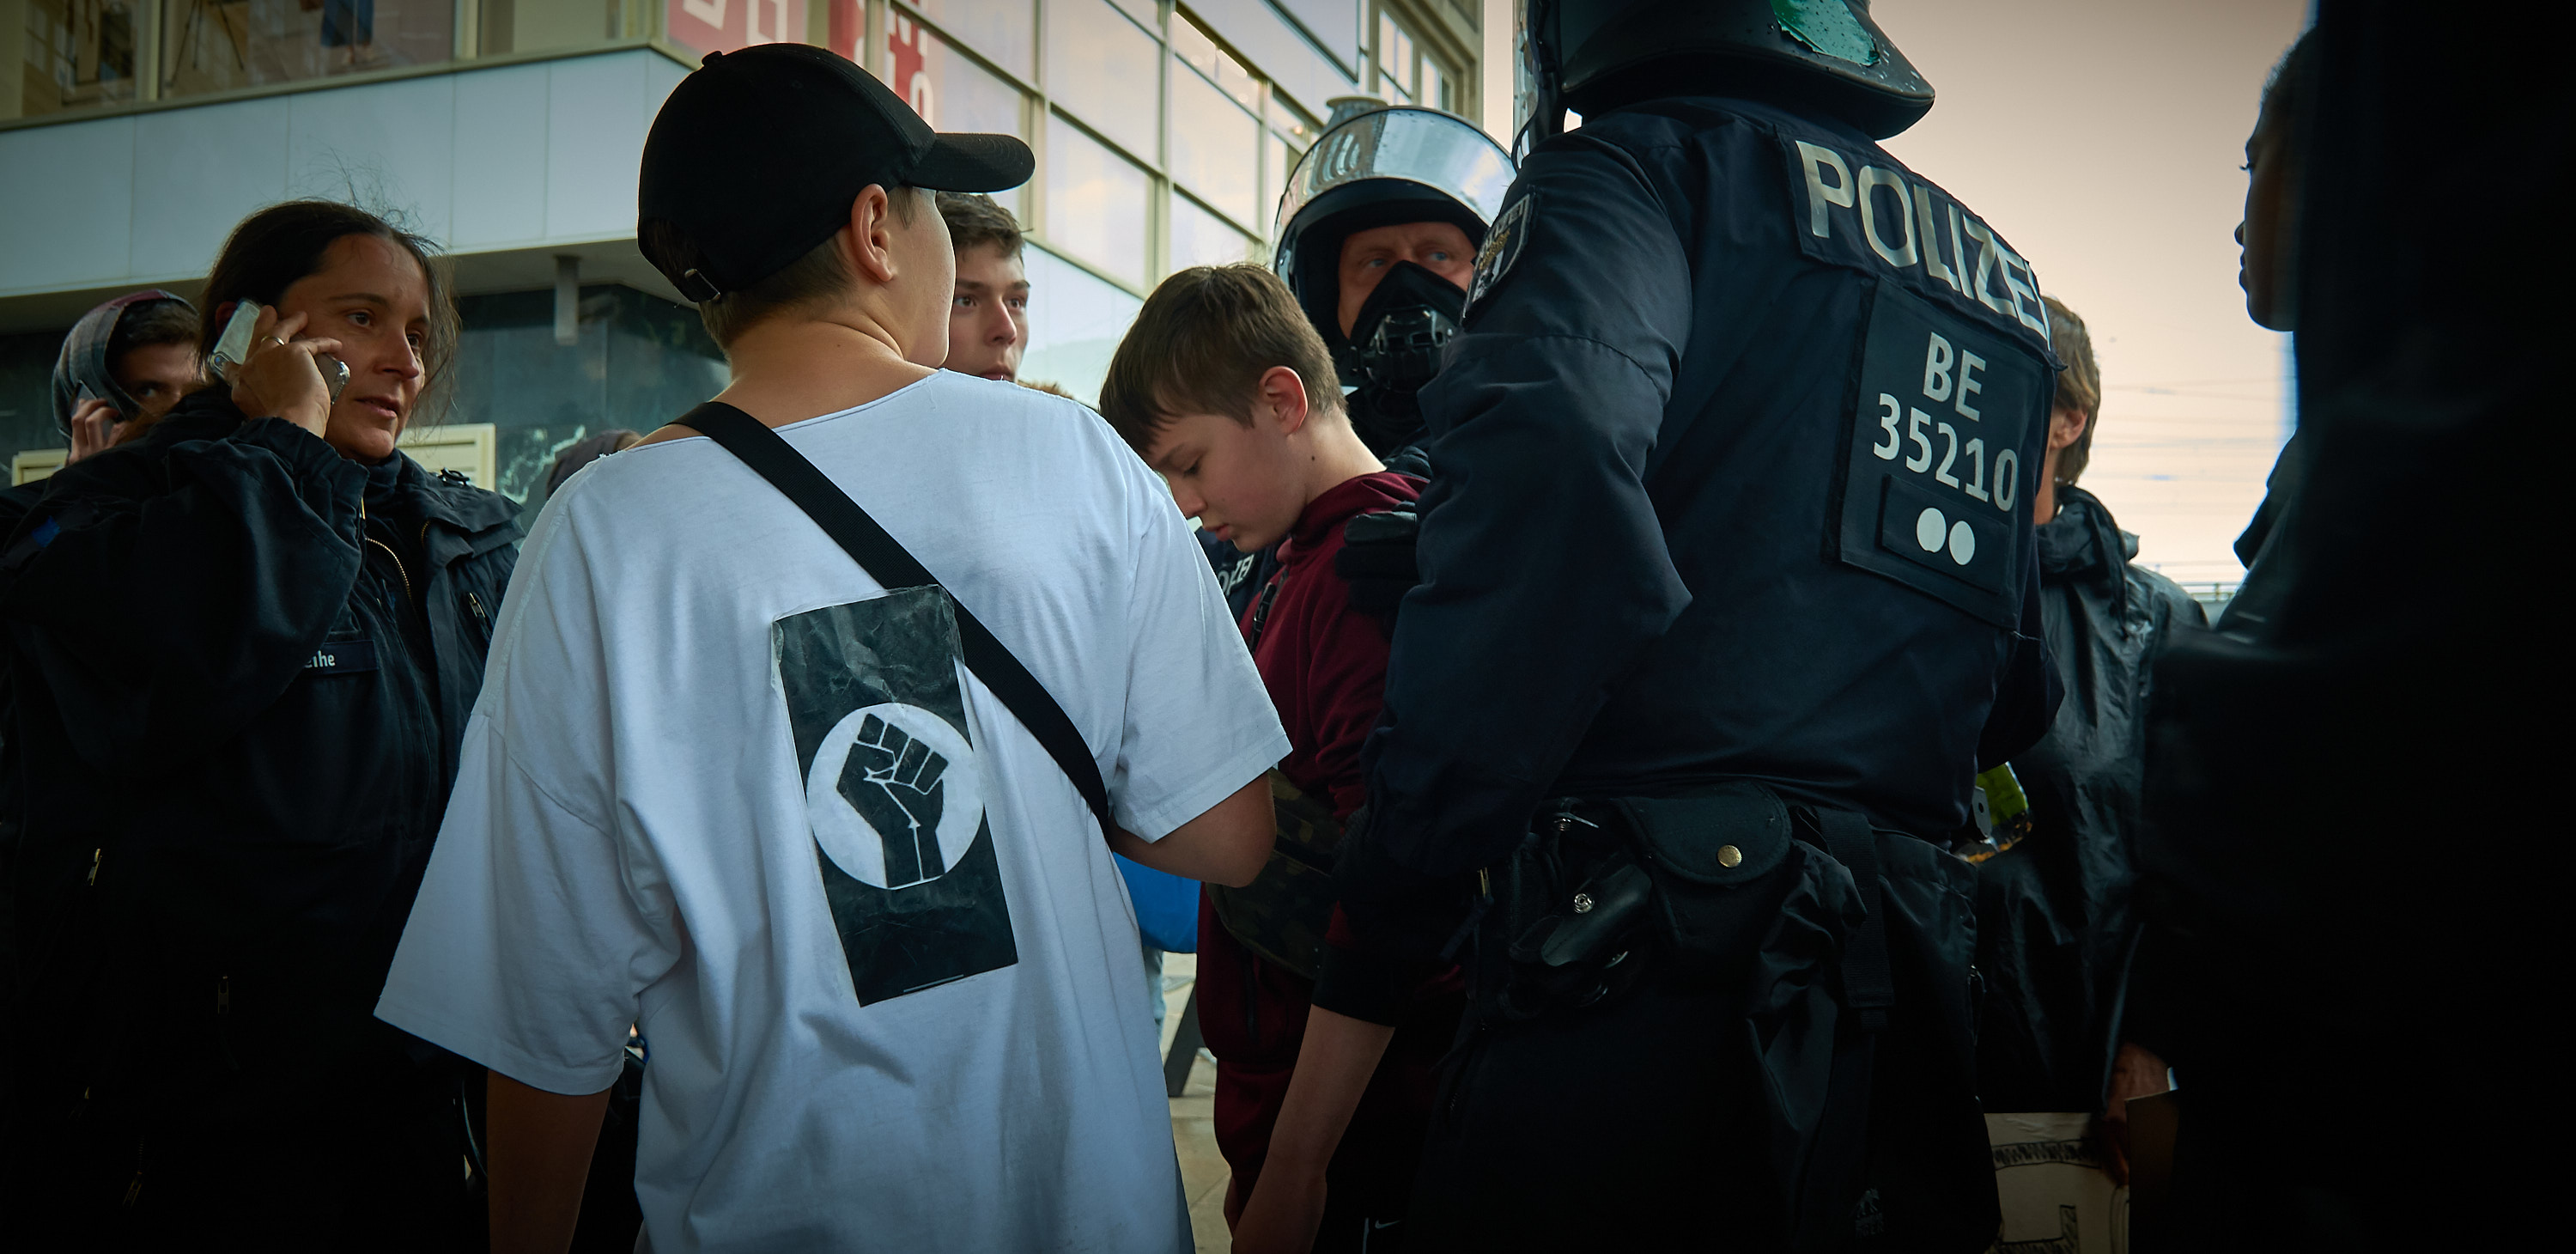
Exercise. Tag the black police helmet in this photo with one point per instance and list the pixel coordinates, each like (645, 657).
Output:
(1826, 55)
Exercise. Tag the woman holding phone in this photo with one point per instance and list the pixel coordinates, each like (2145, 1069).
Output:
(244, 651)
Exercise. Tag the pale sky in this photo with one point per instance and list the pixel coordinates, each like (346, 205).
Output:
(2104, 139)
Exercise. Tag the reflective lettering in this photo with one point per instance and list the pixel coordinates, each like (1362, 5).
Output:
(1978, 285)
(1872, 178)
(2023, 289)
(1931, 240)
(1937, 357)
(2007, 478)
(1819, 195)
(1949, 454)
(1886, 422)
(1922, 459)
(1977, 486)
(1969, 365)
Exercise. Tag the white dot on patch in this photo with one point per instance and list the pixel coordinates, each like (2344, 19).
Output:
(1963, 543)
(1927, 530)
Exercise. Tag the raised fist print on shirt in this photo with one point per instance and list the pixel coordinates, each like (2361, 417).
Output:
(894, 782)
(895, 791)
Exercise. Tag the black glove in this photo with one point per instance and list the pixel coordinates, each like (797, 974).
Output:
(1377, 559)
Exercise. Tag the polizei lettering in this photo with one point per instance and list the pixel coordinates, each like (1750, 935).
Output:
(1877, 218)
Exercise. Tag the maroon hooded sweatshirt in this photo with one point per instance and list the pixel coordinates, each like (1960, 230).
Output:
(1324, 664)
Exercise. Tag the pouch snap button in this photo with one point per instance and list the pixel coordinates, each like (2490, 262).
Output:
(1583, 903)
(1729, 856)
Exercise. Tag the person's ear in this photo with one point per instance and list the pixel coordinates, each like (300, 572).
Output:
(1285, 393)
(2066, 426)
(869, 240)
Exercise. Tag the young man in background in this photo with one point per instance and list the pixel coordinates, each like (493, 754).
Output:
(988, 319)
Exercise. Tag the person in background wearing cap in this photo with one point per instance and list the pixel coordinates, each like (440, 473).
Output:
(139, 349)
(123, 365)
(727, 787)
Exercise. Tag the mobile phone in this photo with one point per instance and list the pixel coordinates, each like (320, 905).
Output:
(234, 348)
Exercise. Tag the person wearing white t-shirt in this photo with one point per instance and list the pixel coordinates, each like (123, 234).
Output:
(724, 785)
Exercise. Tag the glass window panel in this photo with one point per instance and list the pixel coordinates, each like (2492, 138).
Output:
(1435, 86)
(1215, 146)
(1274, 180)
(1075, 323)
(1004, 31)
(1291, 122)
(1200, 238)
(216, 45)
(1146, 12)
(1395, 55)
(1201, 53)
(1095, 202)
(1104, 70)
(78, 54)
(724, 25)
(949, 91)
(542, 25)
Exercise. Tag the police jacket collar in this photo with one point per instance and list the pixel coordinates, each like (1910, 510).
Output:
(209, 414)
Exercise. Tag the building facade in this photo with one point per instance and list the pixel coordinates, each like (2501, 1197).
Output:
(135, 133)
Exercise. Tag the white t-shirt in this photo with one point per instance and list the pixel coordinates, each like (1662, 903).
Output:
(724, 785)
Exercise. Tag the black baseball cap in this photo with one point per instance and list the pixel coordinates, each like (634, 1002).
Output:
(757, 155)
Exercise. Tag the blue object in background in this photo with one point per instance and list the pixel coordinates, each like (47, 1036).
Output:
(1167, 907)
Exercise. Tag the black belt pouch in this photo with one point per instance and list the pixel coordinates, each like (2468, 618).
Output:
(1721, 864)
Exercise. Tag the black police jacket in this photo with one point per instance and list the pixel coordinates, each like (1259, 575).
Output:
(1735, 456)
(242, 668)
(2055, 926)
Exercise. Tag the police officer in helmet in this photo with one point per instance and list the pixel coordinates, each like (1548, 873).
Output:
(1728, 595)
(1378, 231)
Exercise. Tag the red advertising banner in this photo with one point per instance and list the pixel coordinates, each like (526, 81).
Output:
(724, 25)
(908, 65)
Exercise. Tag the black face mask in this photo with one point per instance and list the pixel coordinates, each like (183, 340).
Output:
(1396, 343)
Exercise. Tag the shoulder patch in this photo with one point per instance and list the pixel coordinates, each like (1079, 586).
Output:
(1503, 242)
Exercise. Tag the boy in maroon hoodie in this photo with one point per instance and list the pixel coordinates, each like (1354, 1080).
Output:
(1225, 389)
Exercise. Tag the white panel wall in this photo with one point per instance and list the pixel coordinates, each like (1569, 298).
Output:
(66, 203)
(518, 156)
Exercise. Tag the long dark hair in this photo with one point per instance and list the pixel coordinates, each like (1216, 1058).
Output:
(271, 249)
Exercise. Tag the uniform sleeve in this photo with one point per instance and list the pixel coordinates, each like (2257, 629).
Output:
(1198, 725)
(1545, 570)
(536, 927)
(168, 602)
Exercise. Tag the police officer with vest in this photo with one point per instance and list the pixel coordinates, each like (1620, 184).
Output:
(1378, 232)
(1728, 594)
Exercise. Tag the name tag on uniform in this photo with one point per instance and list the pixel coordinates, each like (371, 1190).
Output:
(336, 656)
(1944, 455)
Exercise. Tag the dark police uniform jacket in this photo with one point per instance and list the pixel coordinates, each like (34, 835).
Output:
(1735, 457)
(243, 666)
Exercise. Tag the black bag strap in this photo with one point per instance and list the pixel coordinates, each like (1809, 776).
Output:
(889, 563)
(1869, 986)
